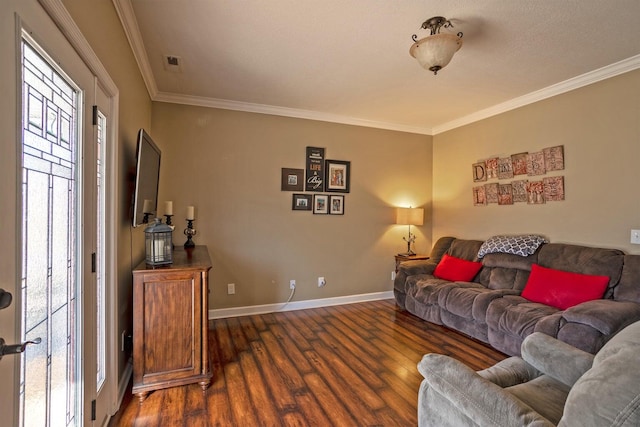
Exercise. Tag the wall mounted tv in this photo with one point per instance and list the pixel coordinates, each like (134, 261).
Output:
(145, 196)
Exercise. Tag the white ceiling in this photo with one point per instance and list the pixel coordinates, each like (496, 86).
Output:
(348, 61)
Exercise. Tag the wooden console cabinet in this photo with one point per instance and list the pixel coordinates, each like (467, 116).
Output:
(170, 306)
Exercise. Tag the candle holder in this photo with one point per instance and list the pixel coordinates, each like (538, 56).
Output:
(189, 232)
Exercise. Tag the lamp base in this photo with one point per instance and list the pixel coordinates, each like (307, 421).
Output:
(409, 251)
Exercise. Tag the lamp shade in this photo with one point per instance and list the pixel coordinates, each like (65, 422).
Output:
(435, 52)
(410, 216)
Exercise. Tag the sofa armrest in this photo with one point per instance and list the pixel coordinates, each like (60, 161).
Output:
(555, 358)
(411, 268)
(474, 396)
(419, 266)
(606, 316)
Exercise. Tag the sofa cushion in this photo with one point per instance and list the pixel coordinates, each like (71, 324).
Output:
(422, 297)
(456, 269)
(465, 249)
(523, 245)
(469, 300)
(563, 289)
(515, 315)
(440, 248)
(461, 299)
(511, 318)
(427, 290)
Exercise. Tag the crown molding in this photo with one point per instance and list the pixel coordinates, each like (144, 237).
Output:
(615, 69)
(284, 111)
(125, 12)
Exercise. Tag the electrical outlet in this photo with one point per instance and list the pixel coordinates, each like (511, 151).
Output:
(231, 289)
(292, 284)
(321, 282)
(393, 275)
(635, 237)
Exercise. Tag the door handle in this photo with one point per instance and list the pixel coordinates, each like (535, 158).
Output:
(15, 348)
(5, 299)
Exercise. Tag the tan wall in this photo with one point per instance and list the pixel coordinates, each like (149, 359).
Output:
(599, 126)
(101, 26)
(228, 164)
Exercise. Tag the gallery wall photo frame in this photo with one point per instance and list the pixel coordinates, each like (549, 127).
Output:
(320, 204)
(336, 205)
(301, 202)
(292, 179)
(315, 169)
(337, 176)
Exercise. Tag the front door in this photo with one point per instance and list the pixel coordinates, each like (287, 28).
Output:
(53, 194)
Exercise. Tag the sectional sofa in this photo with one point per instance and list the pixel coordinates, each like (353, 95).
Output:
(580, 295)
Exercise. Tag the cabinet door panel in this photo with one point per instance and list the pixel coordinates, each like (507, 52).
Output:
(171, 326)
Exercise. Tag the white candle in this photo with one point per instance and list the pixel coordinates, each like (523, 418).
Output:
(146, 206)
(191, 213)
(168, 208)
(158, 254)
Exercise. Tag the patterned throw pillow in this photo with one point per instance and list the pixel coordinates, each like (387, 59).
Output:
(523, 245)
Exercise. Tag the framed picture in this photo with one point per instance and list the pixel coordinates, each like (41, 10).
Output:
(320, 204)
(301, 202)
(337, 176)
(292, 179)
(336, 205)
(315, 169)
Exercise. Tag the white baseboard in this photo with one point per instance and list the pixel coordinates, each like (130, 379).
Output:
(124, 381)
(220, 313)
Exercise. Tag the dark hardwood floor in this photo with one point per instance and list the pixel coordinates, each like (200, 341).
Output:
(348, 365)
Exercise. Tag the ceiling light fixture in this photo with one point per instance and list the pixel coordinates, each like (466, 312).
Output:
(436, 50)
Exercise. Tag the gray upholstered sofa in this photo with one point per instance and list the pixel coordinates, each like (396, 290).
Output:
(491, 309)
(552, 384)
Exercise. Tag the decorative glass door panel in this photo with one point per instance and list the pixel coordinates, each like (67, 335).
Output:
(49, 386)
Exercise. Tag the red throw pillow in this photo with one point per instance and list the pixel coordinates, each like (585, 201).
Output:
(456, 269)
(562, 289)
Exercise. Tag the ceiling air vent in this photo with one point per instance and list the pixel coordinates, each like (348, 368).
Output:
(172, 63)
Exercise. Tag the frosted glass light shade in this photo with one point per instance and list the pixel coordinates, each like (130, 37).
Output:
(435, 52)
(410, 216)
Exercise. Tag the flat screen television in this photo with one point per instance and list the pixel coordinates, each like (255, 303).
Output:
(145, 196)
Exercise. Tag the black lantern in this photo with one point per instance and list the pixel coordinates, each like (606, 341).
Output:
(158, 243)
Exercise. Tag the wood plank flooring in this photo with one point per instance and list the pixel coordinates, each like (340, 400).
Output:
(348, 365)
